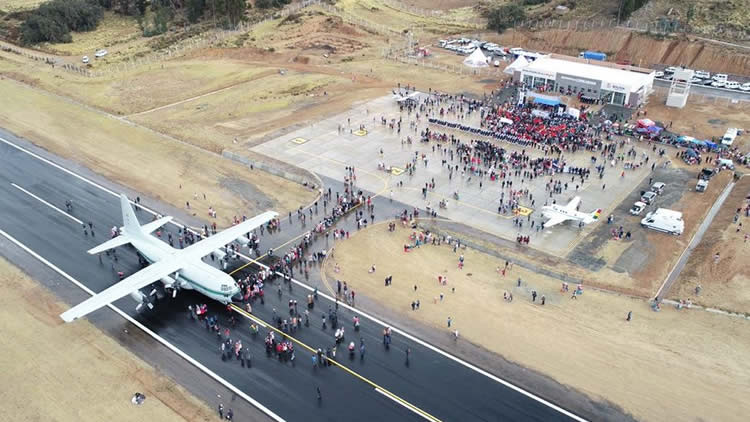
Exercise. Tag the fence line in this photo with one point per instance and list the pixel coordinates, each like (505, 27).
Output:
(201, 40)
(719, 99)
(660, 27)
(458, 69)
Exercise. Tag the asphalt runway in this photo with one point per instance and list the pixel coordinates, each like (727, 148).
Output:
(438, 386)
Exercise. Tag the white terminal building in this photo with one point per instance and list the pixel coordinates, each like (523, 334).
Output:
(594, 80)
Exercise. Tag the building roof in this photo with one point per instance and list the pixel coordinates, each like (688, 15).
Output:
(634, 80)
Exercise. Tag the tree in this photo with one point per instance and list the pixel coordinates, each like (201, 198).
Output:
(505, 16)
(53, 21)
(195, 10)
(690, 12)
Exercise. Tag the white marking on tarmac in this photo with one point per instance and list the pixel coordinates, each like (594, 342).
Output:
(156, 337)
(440, 351)
(359, 312)
(46, 203)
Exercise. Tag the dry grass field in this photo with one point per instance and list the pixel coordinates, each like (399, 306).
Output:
(54, 371)
(670, 365)
(725, 284)
(114, 33)
(18, 5)
(136, 157)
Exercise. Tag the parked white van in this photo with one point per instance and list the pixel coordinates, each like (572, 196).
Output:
(664, 220)
(720, 77)
(725, 162)
(729, 136)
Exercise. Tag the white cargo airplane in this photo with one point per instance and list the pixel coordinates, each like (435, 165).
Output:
(561, 213)
(175, 268)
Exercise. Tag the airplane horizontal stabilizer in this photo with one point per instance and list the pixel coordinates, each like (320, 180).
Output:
(110, 244)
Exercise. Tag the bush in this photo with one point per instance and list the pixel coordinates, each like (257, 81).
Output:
(534, 2)
(53, 21)
(505, 16)
(269, 4)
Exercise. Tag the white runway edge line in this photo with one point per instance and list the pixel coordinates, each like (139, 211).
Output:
(156, 337)
(437, 350)
(46, 203)
(372, 318)
(161, 340)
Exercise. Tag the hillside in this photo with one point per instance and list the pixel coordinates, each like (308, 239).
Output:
(709, 17)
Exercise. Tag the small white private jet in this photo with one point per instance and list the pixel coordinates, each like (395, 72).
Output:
(557, 214)
(400, 96)
(175, 268)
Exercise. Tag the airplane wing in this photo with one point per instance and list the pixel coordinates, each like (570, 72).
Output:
(555, 220)
(210, 244)
(573, 204)
(130, 284)
(165, 266)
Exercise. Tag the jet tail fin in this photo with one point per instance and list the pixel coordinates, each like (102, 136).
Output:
(596, 214)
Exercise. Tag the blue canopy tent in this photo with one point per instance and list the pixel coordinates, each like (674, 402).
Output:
(711, 145)
(546, 101)
(654, 129)
(691, 152)
(697, 142)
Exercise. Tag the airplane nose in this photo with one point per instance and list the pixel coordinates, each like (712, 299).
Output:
(237, 297)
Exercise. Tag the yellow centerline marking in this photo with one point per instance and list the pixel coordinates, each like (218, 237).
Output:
(384, 391)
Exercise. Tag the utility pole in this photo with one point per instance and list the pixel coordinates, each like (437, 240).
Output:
(619, 12)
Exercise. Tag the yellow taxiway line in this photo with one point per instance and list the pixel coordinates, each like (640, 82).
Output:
(377, 387)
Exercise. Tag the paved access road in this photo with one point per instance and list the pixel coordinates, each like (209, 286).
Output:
(433, 385)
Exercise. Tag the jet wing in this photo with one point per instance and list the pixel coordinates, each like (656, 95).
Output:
(555, 220)
(130, 284)
(210, 244)
(573, 204)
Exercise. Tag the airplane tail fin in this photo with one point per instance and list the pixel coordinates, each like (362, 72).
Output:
(131, 229)
(129, 221)
(596, 214)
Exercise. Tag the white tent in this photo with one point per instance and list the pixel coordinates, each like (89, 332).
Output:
(476, 59)
(518, 64)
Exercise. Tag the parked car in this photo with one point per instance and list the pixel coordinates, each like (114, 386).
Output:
(707, 82)
(85, 59)
(659, 74)
(718, 84)
(706, 173)
(100, 53)
(701, 185)
(658, 188)
(637, 208)
(648, 197)
(671, 69)
(732, 85)
(695, 80)
(745, 86)
(720, 77)
(703, 74)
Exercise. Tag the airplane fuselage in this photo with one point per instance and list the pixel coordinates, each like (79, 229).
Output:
(197, 276)
(550, 210)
